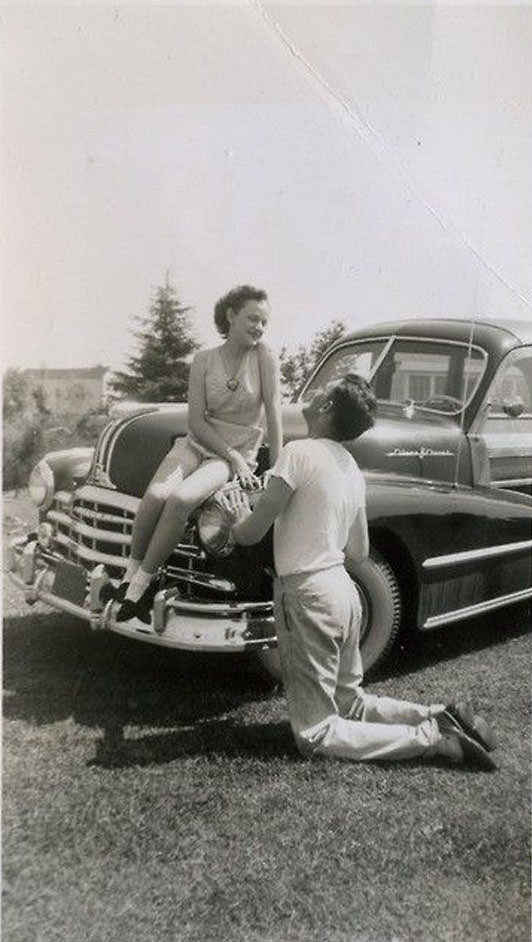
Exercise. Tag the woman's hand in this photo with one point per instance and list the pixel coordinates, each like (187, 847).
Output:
(242, 471)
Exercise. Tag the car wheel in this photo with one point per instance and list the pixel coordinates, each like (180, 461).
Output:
(381, 607)
(381, 615)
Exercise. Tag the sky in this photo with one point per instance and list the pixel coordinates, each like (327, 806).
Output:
(359, 162)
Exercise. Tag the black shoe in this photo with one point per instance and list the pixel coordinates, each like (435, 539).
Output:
(144, 606)
(461, 749)
(110, 593)
(121, 591)
(459, 717)
(127, 611)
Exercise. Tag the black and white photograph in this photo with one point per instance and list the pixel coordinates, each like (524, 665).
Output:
(266, 471)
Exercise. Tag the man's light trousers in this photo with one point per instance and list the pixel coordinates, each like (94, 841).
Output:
(318, 617)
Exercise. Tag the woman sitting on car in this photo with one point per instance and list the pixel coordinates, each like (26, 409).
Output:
(229, 387)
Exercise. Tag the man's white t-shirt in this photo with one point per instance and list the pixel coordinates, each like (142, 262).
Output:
(329, 491)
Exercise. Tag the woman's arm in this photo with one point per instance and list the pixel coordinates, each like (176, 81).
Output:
(271, 395)
(202, 430)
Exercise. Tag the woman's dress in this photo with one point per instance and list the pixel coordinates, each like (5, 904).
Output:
(233, 404)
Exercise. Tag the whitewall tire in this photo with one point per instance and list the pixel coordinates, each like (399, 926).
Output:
(381, 614)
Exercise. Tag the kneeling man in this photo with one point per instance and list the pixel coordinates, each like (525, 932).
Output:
(316, 499)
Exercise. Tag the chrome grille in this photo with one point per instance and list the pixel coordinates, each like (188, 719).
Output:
(91, 531)
(94, 526)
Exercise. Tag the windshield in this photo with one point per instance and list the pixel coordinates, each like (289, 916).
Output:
(436, 375)
(351, 358)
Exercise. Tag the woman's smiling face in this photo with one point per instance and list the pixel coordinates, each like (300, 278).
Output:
(247, 325)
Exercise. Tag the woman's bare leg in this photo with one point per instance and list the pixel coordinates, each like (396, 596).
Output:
(180, 461)
(188, 495)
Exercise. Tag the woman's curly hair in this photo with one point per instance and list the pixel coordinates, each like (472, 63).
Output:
(354, 407)
(233, 301)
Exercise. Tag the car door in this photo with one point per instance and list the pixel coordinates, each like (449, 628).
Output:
(505, 426)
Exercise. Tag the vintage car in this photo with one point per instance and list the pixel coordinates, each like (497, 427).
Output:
(448, 473)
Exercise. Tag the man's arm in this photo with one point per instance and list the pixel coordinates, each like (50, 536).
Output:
(357, 549)
(249, 526)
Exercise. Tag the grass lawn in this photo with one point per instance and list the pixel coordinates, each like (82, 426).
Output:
(153, 796)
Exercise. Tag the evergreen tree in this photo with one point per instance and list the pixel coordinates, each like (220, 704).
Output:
(159, 372)
(297, 366)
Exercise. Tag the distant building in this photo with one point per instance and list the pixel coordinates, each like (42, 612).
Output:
(70, 393)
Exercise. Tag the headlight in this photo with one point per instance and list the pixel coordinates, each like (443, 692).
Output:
(41, 485)
(214, 530)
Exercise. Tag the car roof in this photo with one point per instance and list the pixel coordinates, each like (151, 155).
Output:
(486, 333)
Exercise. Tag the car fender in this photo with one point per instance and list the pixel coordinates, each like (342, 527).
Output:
(69, 466)
(428, 531)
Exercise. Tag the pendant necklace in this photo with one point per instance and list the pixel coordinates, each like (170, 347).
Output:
(232, 382)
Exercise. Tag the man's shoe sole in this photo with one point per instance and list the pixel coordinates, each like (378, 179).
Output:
(478, 730)
(474, 752)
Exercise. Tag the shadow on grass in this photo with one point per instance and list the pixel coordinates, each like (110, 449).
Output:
(225, 737)
(229, 738)
(55, 668)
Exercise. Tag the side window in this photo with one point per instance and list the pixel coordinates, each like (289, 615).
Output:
(507, 426)
(511, 391)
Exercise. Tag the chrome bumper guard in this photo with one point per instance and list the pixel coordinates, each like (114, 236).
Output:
(175, 622)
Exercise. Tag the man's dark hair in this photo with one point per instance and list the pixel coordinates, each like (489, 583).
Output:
(354, 407)
(233, 301)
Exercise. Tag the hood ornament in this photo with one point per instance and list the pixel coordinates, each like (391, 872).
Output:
(100, 476)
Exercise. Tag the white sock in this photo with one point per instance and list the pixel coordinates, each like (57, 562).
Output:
(138, 584)
(132, 566)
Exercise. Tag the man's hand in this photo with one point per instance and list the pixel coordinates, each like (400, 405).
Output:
(235, 503)
(249, 526)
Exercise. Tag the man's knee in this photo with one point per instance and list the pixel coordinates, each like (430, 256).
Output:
(313, 740)
(354, 709)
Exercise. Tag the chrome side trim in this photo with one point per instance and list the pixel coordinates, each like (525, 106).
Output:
(101, 445)
(509, 451)
(453, 559)
(478, 609)
(512, 482)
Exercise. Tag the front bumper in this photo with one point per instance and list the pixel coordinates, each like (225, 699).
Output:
(175, 622)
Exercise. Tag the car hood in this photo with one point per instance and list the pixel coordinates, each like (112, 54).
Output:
(412, 444)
